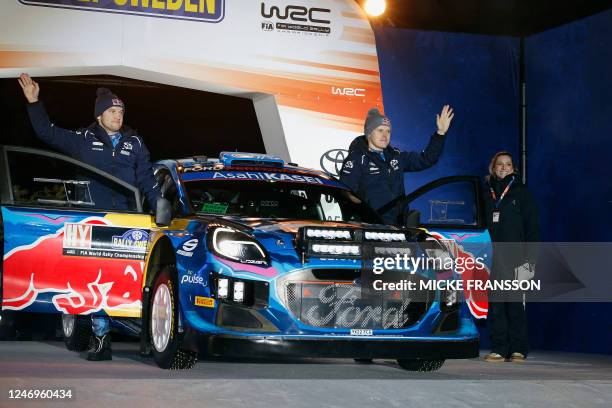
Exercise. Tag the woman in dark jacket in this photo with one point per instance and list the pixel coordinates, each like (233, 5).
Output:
(512, 220)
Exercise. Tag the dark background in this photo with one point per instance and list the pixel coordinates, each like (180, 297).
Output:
(174, 122)
(569, 91)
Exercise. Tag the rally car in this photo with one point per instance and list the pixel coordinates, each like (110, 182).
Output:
(247, 255)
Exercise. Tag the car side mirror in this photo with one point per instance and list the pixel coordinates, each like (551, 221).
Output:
(163, 214)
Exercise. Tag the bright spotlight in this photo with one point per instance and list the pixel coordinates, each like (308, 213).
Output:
(375, 8)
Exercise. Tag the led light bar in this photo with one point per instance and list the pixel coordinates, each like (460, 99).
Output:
(331, 234)
(391, 251)
(385, 236)
(238, 291)
(223, 287)
(336, 249)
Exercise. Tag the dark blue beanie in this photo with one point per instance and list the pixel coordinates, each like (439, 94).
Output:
(106, 99)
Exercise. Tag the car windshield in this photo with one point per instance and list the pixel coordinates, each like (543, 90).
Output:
(265, 199)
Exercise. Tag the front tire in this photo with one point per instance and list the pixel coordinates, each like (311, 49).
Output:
(421, 365)
(163, 324)
(76, 331)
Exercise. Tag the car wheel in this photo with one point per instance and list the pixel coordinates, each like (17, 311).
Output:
(421, 365)
(163, 324)
(76, 330)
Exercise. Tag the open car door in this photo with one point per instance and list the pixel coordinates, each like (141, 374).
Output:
(452, 209)
(62, 252)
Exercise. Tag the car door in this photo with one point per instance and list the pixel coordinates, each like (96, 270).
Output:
(62, 252)
(452, 209)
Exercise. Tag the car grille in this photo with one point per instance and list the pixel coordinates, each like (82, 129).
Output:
(325, 304)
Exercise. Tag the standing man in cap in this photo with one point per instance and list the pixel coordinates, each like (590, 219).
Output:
(374, 170)
(108, 145)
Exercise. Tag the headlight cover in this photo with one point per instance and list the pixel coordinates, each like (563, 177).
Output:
(236, 246)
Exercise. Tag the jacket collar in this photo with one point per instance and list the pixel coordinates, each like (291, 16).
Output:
(360, 144)
(101, 134)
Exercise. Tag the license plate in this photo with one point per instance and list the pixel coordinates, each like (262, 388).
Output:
(361, 332)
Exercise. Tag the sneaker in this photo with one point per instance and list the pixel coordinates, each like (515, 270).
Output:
(100, 349)
(517, 357)
(494, 358)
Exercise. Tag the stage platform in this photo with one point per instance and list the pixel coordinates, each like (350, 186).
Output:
(546, 379)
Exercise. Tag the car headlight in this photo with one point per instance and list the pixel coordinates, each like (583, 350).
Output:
(236, 246)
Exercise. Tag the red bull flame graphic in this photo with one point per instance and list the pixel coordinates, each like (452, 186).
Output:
(476, 300)
(81, 285)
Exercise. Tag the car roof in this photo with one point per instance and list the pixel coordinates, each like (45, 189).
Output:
(242, 161)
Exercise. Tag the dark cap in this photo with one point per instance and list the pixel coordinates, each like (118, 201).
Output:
(106, 99)
(374, 120)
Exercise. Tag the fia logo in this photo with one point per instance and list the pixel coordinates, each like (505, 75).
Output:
(127, 146)
(267, 26)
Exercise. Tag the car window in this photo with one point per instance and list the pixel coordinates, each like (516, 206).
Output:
(277, 200)
(454, 203)
(50, 181)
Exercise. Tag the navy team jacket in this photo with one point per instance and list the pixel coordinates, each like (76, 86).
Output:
(128, 161)
(381, 182)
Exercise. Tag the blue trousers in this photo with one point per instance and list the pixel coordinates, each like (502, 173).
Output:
(100, 325)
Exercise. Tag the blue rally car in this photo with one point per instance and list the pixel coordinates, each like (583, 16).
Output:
(247, 256)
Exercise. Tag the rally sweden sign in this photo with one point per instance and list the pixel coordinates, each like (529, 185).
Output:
(211, 11)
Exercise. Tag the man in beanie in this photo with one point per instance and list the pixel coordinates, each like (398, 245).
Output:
(108, 145)
(374, 170)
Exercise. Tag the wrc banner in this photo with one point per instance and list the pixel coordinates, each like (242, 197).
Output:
(310, 66)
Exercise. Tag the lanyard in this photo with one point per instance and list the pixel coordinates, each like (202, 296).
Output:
(503, 194)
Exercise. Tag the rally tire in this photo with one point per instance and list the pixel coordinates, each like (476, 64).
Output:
(76, 331)
(163, 324)
(421, 365)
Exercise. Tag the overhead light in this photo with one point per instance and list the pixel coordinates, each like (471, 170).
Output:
(375, 8)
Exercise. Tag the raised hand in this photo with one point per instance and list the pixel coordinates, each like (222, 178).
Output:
(444, 118)
(30, 87)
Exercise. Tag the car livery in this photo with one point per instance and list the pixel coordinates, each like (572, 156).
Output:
(247, 256)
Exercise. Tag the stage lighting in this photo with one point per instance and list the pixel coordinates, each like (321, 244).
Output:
(375, 8)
